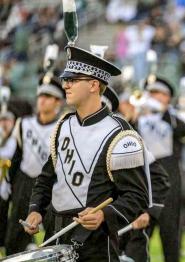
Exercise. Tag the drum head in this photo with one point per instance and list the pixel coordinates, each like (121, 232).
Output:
(47, 254)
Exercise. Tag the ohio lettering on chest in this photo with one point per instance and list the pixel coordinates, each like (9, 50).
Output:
(77, 177)
(157, 134)
(159, 129)
(35, 145)
(78, 152)
(35, 142)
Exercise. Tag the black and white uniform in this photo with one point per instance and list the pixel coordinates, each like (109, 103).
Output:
(6, 152)
(136, 244)
(81, 176)
(162, 134)
(33, 143)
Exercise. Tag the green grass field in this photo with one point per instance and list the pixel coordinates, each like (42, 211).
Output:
(155, 247)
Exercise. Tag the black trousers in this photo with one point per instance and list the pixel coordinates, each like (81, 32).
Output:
(169, 224)
(4, 206)
(96, 245)
(137, 247)
(16, 239)
(97, 249)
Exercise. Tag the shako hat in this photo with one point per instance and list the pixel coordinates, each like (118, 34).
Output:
(7, 115)
(155, 83)
(111, 98)
(83, 62)
(51, 85)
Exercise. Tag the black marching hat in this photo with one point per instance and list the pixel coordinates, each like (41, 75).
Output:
(155, 83)
(82, 62)
(50, 85)
(17, 107)
(111, 99)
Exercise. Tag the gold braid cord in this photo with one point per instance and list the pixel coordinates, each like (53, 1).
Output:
(5, 164)
(114, 142)
(17, 131)
(53, 140)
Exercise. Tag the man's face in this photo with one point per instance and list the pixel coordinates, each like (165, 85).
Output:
(162, 97)
(77, 90)
(47, 103)
(7, 126)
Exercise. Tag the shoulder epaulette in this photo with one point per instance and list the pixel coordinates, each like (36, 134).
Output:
(125, 152)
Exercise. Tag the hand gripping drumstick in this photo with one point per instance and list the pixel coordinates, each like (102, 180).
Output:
(74, 224)
(125, 229)
(25, 224)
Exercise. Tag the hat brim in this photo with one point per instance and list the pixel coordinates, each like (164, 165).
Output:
(152, 86)
(67, 74)
(50, 90)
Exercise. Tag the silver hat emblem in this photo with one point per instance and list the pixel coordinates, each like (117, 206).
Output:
(68, 53)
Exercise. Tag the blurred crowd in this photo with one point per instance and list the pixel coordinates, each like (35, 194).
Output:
(159, 27)
(27, 28)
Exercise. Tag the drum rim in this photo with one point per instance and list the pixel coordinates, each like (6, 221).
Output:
(67, 247)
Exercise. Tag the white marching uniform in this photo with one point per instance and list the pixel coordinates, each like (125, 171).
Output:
(6, 153)
(157, 134)
(163, 134)
(33, 146)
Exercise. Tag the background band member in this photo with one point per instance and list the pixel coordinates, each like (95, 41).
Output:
(135, 244)
(32, 135)
(8, 117)
(162, 131)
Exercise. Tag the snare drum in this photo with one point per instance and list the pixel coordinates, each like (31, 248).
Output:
(58, 253)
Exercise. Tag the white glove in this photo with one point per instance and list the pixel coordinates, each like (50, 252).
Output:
(5, 189)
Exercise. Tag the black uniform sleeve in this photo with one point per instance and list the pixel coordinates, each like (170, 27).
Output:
(15, 164)
(132, 198)
(17, 157)
(177, 124)
(41, 194)
(160, 186)
(179, 130)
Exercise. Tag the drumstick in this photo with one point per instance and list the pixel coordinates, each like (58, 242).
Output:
(125, 229)
(73, 224)
(25, 224)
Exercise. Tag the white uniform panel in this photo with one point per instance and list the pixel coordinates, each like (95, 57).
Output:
(8, 149)
(36, 145)
(157, 134)
(78, 152)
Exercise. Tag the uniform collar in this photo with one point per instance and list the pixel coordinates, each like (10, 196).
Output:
(95, 117)
(48, 123)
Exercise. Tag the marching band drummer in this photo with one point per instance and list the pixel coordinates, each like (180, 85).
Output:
(136, 243)
(32, 134)
(92, 158)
